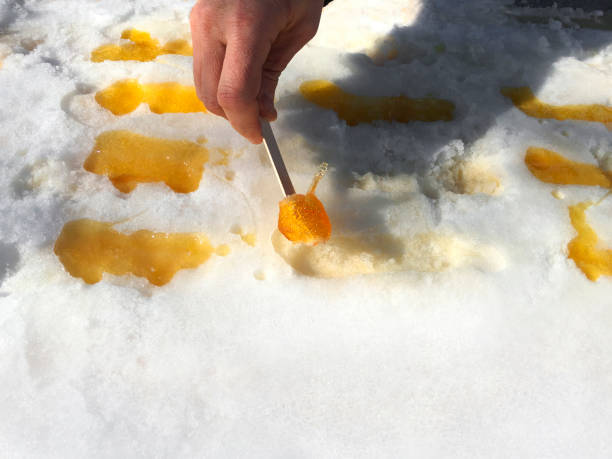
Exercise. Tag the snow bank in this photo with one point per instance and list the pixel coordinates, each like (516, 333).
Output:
(444, 320)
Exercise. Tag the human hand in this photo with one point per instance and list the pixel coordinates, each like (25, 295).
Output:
(240, 48)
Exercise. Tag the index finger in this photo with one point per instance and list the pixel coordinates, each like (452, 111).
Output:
(240, 82)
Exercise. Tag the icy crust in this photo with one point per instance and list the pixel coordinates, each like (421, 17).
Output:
(442, 319)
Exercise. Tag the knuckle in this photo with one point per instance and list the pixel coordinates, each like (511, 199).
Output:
(310, 30)
(210, 103)
(204, 15)
(232, 98)
(272, 74)
(196, 13)
(216, 111)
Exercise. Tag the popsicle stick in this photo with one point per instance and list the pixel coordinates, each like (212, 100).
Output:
(275, 157)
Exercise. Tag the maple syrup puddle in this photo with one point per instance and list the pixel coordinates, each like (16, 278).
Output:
(125, 96)
(247, 238)
(128, 159)
(302, 218)
(551, 167)
(356, 109)
(592, 261)
(524, 99)
(89, 248)
(142, 48)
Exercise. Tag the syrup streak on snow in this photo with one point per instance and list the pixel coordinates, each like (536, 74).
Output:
(524, 99)
(356, 109)
(89, 248)
(128, 158)
(142, 48)
(592, 260)
(125, 96)
(551, 167)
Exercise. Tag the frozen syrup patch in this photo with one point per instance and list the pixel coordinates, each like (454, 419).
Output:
(524, 99)
(89, 248)
(593, 260)
(585, 249)
(141, 47)
(356, 109)
(349, 255)
(128, 158)
(125, 96)
(551, 167)
(471, 177)
(247, 238)
(462, 176)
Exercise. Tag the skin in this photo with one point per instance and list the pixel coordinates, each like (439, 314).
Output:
(240, 48)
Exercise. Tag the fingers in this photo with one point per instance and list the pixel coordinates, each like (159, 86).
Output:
(211, 56)
(208, 54)
(240, 82)
(285, 47)
(266, 95)
(240, 49)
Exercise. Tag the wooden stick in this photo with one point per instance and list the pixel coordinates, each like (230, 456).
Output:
(275, 157)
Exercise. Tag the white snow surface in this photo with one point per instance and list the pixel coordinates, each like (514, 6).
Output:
(486, 341)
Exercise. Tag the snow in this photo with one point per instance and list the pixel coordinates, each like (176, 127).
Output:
(484, 340)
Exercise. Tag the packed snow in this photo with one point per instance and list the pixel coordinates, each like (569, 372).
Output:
(442, 319)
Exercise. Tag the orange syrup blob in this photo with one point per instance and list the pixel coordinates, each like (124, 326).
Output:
(125, 96)
(356, 109)
(141, 48)
(302, 218)
(592, 261)
(524, 99)
(551, 167)
(89, 248)
(127, 159)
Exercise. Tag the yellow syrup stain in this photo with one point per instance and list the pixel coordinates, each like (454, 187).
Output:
(356, 109)
(470, 177)
(89, 248)
(141, 48)
(524, 99)
(222, 157)
(592, 260)
(385, 49)
(128, 159)
(302, 218)
(370, 253)
(223, 250)
(551, 167)
(557, 194)
(125, 96)
(247, 238)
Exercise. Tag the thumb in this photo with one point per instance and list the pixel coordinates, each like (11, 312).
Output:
(282, 51)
